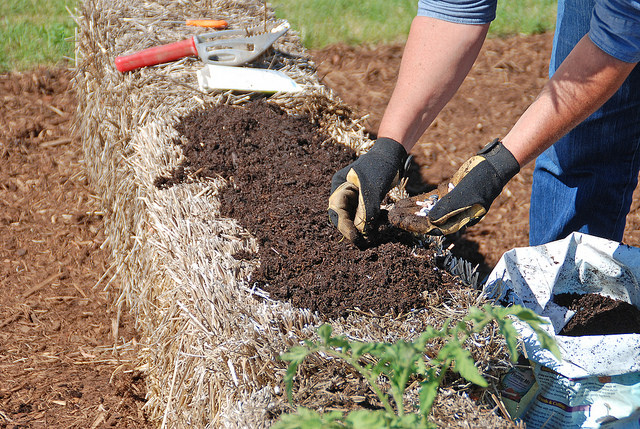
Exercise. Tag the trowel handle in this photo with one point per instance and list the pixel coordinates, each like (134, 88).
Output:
(157, 55)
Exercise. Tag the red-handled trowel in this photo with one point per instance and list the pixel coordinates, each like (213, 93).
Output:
(227, 47)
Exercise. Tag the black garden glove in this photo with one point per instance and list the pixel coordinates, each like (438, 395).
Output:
(476, 184)
(358, 189)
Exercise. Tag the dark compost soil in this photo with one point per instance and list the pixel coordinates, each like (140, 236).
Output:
(280, 170)
(598, 315)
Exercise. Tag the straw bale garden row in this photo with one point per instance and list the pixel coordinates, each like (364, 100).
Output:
(215, 214)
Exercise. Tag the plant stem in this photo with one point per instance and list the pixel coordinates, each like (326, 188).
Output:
(398, 397)
(371, 379)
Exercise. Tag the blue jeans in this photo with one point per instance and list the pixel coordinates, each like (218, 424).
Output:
(585, 181)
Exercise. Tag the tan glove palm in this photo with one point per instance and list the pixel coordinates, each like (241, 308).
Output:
(358, 189)
(465, 199)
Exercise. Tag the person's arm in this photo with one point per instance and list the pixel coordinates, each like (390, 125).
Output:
(585, 80)
(437, 57)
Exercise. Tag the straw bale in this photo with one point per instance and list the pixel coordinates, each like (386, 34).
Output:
(211, 340)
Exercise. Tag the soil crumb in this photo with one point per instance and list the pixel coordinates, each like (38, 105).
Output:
(280, 170)
(598, 315)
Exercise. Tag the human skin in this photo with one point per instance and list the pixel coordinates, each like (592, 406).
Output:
(438, 56)
(585, 80)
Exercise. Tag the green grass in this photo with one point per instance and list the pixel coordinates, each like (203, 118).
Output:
(35, 32)
(40, 32)
(524, 17)
(323, 22)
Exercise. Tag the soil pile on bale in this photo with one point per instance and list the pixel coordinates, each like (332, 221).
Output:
(280, 170)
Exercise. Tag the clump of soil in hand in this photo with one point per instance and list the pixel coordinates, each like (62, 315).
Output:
(280, 170)
(598, 315)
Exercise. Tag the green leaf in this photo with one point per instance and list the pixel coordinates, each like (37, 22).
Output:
(358, 349)
(379, 349)
(480, 317)
(324, 332)
(378, 419)
(429, 334)
(410, 421)
(365, 419)
(465, 365)
(511, 337)
(339, 343)
(305, 418)
(398, 362)
(527, 315)
(288, 379)
(534, 320)
(476, 315)
(295, 354)
(462, 326)
(428, 393)
(548, 342)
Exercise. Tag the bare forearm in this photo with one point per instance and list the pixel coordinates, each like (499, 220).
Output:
(585, 80)
(437, 57)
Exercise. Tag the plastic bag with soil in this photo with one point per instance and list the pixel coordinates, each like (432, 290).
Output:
(581, 285)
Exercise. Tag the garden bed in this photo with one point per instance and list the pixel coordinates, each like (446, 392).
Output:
(212, 338)
(280, 170)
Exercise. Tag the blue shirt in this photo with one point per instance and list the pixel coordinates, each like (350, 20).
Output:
(614, 28)
(459, 11)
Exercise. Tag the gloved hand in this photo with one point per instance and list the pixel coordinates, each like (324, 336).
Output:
(476, 184)
(358, 189)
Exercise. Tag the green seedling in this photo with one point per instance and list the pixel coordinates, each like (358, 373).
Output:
(403, 361)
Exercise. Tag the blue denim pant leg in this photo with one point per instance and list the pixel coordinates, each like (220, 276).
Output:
(585, 181)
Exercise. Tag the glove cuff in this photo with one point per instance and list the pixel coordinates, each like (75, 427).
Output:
(391, 150)
(503, 161)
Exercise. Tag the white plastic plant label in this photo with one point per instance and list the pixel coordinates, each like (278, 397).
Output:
(597, 382)
(215, 77)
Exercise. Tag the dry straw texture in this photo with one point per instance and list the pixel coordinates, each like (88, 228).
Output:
(210, 348)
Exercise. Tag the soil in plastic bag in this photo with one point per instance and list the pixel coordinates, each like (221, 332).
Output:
(598, 315)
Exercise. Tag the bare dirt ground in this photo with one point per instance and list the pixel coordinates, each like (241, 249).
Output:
(60, 366)
(64, 352)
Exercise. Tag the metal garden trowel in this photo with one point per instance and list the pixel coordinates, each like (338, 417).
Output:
(226, 47)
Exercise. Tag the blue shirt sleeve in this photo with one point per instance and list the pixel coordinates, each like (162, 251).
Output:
(459, 11)
(615, 28)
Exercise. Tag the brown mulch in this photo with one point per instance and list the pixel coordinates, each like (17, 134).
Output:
(57, 331)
